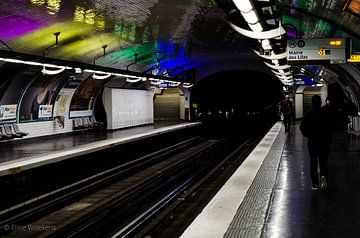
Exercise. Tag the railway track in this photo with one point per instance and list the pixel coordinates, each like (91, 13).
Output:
(120, 201)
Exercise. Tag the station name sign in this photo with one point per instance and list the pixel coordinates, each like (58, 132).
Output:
(302, 51)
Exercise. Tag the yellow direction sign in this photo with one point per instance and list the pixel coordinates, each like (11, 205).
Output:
(354, 58)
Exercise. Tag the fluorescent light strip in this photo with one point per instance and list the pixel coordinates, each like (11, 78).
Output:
(277, 66)
(56, 66)
(250, 17)
(100, 77)
(95, 71)
(16, 61)
(243, 5)
(281, 73)
(158, 82)
(52, 72)
(125, 75)
(187, 85)
(129, 80)
(285, 77)
(257, 27)
(153, 79)
(103, 75)
(266, 44)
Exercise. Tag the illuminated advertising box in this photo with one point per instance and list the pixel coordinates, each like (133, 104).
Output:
(8, 112)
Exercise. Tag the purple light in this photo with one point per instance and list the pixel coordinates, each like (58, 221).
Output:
(16, 25)
(291, 34)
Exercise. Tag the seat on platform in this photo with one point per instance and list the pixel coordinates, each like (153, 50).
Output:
(17, 130)
(86, 122)
(3, 134)
(8, 130)
(93, 122)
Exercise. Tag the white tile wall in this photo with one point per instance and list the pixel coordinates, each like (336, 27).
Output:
(37, 129)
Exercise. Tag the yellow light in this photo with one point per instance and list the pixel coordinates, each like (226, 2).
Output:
(354, 58)
(79, 14)
(321, 52)
(38, 2)
(53, 6)
(89, 47)
(90, 17)
(38, 40)
(335, 42)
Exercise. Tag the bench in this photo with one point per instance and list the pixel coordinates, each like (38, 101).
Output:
(86, 123)
(11, 131)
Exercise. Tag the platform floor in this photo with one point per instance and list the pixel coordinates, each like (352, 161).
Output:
(279, 201)
(20, 155)
(34, 147)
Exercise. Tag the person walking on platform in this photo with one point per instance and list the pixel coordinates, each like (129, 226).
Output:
(317, 125)
(286, 109)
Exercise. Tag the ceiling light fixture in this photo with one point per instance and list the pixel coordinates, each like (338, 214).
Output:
(101, 77)
(243, 5)
(187, 85)
(129, 80)
(52, 72)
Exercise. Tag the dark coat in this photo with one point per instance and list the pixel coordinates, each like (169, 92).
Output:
(318, 125)
(286, 107)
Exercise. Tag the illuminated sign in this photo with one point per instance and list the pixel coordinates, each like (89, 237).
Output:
(324, 52)
(8, 112)
(45, 111)
(301, 51)
(304, 81)
(354, 58)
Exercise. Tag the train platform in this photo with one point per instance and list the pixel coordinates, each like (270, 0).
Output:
(270, 194)
(21, 155)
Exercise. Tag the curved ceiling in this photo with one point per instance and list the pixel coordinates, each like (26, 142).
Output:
(177, 35)
(322, 18)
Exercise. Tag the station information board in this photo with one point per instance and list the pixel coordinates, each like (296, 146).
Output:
(302, 51)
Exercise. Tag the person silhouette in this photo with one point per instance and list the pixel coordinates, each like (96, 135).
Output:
(286, 109)
(317, 125)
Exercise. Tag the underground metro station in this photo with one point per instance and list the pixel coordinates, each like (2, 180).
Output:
(180, 118)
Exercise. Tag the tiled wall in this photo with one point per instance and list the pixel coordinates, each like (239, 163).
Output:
(36, 129)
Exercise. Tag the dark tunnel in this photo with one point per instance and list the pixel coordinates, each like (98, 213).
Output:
(237, 99)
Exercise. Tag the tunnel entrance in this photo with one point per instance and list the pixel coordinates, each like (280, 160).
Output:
(169, 104)
(236, 98)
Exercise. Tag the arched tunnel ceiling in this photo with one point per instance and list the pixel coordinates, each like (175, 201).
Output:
(182, 34)
(178, 33)
(322, 18)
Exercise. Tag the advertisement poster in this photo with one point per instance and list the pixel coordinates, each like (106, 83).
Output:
(83, 99)
(40, 96)
(61, 109)
(45, 111)
(8, 112)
